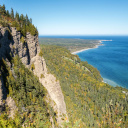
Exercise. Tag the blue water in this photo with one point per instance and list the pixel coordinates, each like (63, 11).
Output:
(111, 58)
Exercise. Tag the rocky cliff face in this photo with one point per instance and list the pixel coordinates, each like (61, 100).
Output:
(53, 87)
(28, 51)
(10, 42)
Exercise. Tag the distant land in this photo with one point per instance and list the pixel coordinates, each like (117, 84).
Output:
(72, 45)
(106, 58)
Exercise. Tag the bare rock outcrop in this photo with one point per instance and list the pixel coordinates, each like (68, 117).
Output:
(53, 87)
(12, 106)
(10, 43)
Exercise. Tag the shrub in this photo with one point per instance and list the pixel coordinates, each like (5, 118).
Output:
(13, 47)
(3, 24)
(41, 53)
(22, 39)
(17, 25)
(32, 66)
(41, 76)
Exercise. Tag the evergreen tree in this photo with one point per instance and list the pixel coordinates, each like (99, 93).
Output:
(21, 17)
(30, 20)
(17, 16)
(7, 13)
(12, 13)
(27, 20)
(23, 30)
(2, 10)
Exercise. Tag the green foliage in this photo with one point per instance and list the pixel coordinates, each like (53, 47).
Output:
(12, 13)
(41, 53)
(71, 44)
(22, 40)
(17, 25)
(6, 122)
(17, 16)
(31, 28)
(9, 33)
(22, 23)
(89, 101)
(23, 30)
(29, 96)
(7, 13)
(32, 66)
(2, 10)
(41, 76)
(3, 23)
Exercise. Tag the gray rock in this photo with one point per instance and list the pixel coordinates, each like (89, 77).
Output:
(28, 51)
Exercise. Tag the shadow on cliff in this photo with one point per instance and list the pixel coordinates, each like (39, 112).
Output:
(7, 52)
(28, 54)
(5, 55)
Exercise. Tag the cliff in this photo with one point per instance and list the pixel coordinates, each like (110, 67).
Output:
(10, 42)
(13, 43)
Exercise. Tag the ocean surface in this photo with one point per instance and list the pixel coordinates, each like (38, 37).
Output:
(111, 58)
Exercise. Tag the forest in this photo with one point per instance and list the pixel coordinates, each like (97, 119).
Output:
(29, 96)
(71, 44)
(89, 101)
(22, 23)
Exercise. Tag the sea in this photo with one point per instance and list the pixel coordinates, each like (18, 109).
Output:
(110, 58)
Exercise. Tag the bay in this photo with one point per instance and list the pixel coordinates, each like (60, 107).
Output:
(111, 59)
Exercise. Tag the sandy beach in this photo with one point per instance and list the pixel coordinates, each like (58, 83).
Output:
(96, 46)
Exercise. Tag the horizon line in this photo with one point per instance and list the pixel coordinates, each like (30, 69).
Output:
(86, 35)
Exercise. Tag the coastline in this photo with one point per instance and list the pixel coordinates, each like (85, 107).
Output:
(96, 46)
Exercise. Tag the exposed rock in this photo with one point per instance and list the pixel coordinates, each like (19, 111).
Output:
(53, 87)
(12, 107)
(10, 43)
(28, 50)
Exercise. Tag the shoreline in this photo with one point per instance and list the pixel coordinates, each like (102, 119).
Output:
(96, 46)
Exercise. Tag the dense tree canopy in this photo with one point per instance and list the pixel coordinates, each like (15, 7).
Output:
(29, 96)
(21, 22)
(89, 101)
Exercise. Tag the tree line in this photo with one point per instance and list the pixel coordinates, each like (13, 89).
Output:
(21, 22)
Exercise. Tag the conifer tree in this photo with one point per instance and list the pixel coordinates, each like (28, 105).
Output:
(26, 19)
(30, 20)
(12, 13)
(23, 30)
(2, 10)
(7, 13)
(3, 7)
(17, 16)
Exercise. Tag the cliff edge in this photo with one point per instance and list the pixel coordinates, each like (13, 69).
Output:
(13, 43)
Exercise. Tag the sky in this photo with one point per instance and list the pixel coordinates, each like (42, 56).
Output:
(74, 17)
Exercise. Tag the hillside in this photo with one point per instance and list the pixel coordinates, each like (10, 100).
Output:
(89, 101)
(46, 86)
(29, 95)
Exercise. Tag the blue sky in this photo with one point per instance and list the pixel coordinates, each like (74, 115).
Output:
(74, 17)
